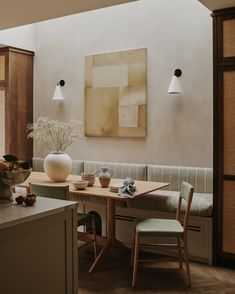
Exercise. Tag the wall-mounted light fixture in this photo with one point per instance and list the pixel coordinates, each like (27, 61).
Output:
(58, 94)
(175, 87)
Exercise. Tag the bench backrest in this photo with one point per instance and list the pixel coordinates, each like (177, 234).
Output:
(120, 170)
(77, 168)
(199, 177)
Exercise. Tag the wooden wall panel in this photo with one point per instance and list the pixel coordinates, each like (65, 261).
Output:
(224, 137)
(2, 68)
(228, 242)
(2, 122)
(18, 102)
(229, 122)
(229, 38)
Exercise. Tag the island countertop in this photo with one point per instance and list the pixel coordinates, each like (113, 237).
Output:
(12, 214)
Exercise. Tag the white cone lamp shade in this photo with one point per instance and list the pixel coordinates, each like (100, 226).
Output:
(58, 94)
(175, 86)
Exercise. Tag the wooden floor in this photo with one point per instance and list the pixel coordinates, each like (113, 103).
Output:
(114, 276)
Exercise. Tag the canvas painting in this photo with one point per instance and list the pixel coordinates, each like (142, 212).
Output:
(115, 94)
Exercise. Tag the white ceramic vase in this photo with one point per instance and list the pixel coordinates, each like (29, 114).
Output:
(57, 166)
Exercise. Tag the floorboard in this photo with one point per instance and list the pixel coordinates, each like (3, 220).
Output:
(114, 276)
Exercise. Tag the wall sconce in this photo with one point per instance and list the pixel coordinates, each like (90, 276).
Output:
(175, 87)
(58, 94)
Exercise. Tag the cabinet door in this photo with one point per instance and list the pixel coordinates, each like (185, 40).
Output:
(3, 61)
(228, 38)
(228, 238)
(224, 136)
(226, 166)
(2, 121)
(228, 220)
(19, 104)
(224, 39)
(229, 122)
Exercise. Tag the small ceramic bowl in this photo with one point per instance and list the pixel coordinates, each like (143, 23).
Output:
(88, 177)
(80, 185)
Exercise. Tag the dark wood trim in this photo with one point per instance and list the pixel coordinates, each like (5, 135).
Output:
(229, 178)
(226, 260)
(227, 11)
(14, 49)
(215, 140)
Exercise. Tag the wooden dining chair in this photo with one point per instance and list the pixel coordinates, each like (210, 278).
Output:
(86, 220)
(154, 227)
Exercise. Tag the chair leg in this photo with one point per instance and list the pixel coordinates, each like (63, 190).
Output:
(179, 252)
(94, 236)
(133, 248)
(187, 262)
(136, 255)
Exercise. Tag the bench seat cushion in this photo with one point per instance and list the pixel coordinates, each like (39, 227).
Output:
(162, 200)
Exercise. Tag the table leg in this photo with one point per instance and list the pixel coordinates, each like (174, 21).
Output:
(111, 233)
(111, 230)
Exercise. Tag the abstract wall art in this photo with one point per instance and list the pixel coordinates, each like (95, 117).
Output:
(115, 94)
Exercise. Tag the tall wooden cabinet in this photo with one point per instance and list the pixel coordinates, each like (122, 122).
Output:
(16, 101)
(224, 136)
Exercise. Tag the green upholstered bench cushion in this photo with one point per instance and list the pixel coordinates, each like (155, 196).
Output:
(199, 177)
(162, 200)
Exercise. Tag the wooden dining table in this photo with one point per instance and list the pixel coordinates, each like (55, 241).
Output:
(142, 187)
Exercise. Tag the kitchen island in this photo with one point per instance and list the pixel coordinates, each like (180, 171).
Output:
(38, 247)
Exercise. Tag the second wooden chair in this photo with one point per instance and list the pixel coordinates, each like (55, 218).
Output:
(86, 220)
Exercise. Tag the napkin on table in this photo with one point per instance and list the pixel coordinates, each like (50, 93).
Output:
(128, 188)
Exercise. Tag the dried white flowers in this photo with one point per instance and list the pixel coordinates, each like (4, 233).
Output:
(54, 134)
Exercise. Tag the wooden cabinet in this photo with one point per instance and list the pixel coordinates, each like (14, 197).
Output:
(224, 136)
(38, 248)
(16, 101)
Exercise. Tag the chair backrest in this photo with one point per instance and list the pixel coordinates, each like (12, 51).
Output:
(186, 194)
(57, 192)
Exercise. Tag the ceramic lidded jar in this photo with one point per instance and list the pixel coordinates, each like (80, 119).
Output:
(105, 176)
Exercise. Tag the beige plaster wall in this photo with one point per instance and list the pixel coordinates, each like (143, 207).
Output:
(21, 37)
(177, 34)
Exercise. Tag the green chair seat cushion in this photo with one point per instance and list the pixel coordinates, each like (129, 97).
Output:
(83, 219)
(153, 227)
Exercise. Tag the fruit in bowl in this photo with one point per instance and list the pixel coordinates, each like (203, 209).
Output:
(12, 173)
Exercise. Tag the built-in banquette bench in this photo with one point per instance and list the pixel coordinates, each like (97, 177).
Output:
(160, 203)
